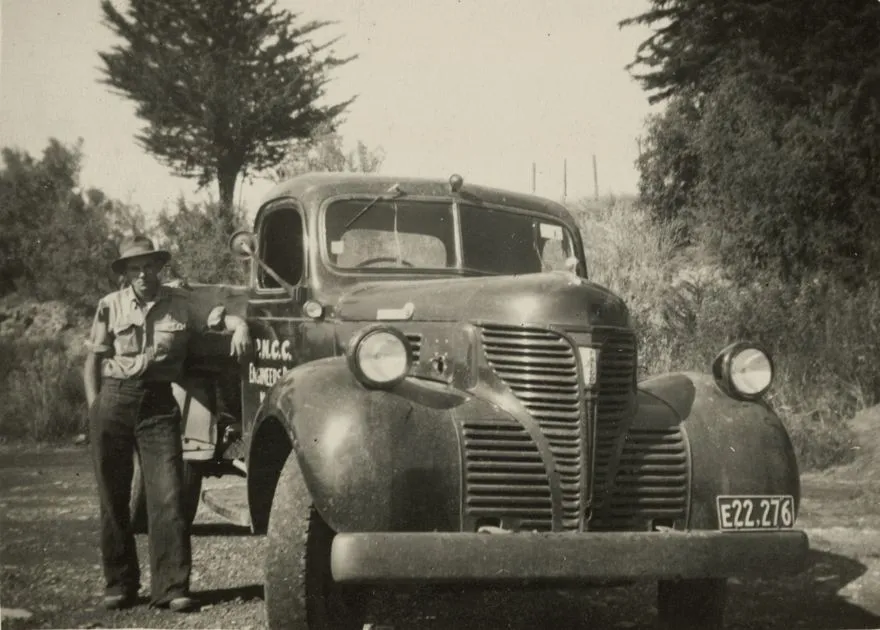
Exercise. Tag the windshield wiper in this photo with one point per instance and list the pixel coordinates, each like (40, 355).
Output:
(395, 189)
(470, 271)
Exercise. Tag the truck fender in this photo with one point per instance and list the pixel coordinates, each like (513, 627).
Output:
(735, 446)
(372, 460)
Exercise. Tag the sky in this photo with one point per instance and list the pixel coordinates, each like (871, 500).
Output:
(483, 88)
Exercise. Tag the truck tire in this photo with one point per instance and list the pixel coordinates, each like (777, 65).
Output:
(691, 604)
(191, 489)
(299, 588)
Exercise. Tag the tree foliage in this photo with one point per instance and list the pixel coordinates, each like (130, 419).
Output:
(198, 241)
(670, 164)
(57, 240)
(325, 152)
(223, 85)
(770, 144)
(785, 188)
(801, 49)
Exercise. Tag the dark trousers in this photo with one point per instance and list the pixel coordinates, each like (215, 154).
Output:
(133, 416)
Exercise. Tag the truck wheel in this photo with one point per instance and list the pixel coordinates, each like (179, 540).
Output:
(192, 489)
(299, 588)
(691, 604)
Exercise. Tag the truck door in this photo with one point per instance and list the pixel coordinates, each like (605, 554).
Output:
(274, 311)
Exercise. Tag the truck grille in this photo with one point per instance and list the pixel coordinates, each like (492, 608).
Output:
(651, 481)
(540, 368)
(613, 399)
(505, 477)
(648, 482)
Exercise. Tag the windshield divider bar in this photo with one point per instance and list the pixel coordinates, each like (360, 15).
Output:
(459, 237)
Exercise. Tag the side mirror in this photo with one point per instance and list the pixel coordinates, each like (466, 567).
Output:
(243, 244)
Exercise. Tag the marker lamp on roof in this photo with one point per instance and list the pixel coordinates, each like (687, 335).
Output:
(380, 357)
(743, 370)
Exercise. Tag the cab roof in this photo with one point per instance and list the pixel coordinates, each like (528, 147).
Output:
(312, 188)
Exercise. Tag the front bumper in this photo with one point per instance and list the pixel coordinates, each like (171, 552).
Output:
(374, 558)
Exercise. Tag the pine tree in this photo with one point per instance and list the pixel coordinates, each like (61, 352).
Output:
(800, 48)
(223, 85)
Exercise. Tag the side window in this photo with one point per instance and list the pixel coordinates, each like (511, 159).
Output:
(555, 252)
(281, 246)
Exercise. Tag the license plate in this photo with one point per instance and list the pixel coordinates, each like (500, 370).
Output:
(755, 512)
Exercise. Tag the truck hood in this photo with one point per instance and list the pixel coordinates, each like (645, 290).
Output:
(545, 298)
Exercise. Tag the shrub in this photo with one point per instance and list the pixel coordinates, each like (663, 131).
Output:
(197, 237)
(41, 391)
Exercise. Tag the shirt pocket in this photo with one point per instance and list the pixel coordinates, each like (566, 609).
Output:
(170, 336)
(126, 340)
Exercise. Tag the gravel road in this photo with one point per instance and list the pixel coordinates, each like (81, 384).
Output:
(51, 575)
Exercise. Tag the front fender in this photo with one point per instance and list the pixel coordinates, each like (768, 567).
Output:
(372, 460)
(736, 447)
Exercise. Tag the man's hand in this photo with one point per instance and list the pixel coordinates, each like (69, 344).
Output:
(241, 341)
(241, 336)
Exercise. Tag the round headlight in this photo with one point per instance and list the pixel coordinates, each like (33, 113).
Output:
(743, 370)
(751, 372)
(380, 357)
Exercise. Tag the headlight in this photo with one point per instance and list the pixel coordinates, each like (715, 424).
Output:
(379, 356)
(743, 370)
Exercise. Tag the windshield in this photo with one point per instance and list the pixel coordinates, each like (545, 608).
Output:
(399, 233)
(498, 241)
(419, 234)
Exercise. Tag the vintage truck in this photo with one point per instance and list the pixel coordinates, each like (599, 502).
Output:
(439, 395)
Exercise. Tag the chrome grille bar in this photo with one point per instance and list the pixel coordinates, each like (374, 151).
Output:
(613, 393)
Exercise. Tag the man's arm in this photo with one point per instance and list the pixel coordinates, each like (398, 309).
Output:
(100, 343)
(219, 319)
(92, 377)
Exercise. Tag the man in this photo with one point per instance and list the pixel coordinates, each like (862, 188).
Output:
(138, 346)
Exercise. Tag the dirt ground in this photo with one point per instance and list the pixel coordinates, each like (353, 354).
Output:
(51, 576)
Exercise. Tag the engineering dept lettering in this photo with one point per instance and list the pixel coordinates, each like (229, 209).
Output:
(265, 376)
(269, 350)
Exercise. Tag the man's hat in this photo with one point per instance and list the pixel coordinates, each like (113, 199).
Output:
(135, 247)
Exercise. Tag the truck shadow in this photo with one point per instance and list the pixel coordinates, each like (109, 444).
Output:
(219, 529)
(815, 599)
(818, 597)
(234, 594)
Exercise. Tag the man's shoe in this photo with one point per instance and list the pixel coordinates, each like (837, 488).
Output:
(119, 602)
(183, 604)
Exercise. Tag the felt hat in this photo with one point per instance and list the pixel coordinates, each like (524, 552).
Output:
(135, 247)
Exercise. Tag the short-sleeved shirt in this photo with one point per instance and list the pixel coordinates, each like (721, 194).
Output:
(147, 340)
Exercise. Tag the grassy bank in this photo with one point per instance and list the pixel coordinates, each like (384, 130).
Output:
(822, 336)
(41, 391)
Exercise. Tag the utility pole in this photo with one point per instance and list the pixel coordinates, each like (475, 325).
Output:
(534, 174)
(595, 178)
